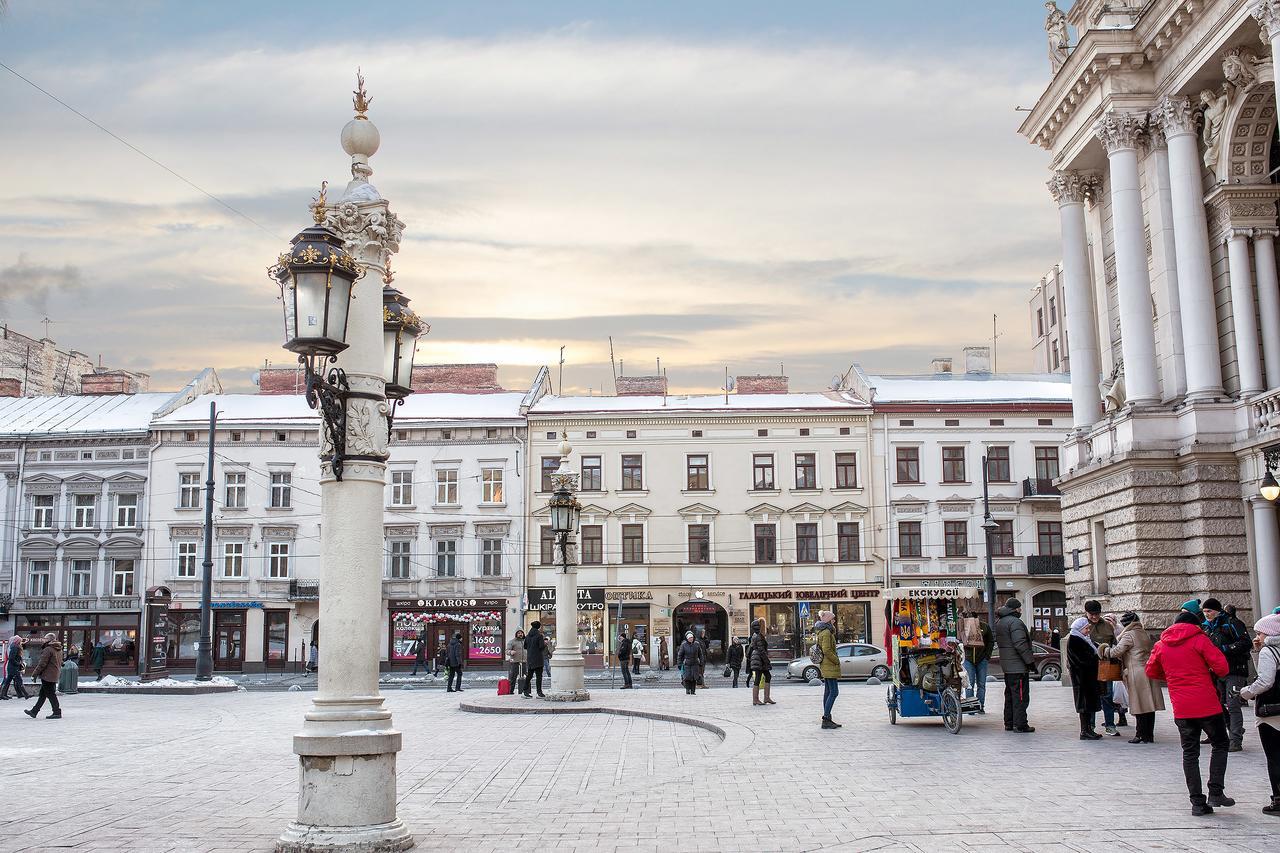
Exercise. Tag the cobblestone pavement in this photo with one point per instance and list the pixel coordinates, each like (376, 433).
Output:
(215, 773)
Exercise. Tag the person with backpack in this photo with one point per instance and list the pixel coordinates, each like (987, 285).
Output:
(1187, 660)
(1016, 658)
(734, 661)
(1266, 690)
(823, 653)
(978, 642)
(1231, 636)
(758, 664)
(637, 653)
(624, 659)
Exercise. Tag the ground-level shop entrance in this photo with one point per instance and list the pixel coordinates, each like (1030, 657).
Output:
(709, 623)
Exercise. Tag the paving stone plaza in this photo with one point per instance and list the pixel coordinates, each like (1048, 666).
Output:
(216, 773)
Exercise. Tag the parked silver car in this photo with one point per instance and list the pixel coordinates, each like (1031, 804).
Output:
(857, 660)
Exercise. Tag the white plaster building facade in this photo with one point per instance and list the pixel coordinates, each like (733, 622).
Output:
(1161, 125)
(453, 525)
(702, 512)
(1048, 316)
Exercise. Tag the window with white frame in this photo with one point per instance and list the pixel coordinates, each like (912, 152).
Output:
(126, 510)
(399, 559)
(491, 485)
(402, 488)
(446, 558)
(186, 560)
(81, 578)
(278, 560)
(233, 559)
(235, 491)
(38, 578)
(446, 486)
(491, 557)
(189, 490)
(281, 490)
(85, 506)
(122, 577)
(42, 512)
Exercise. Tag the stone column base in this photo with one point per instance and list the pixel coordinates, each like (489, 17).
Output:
(580, 695)
(374, 838)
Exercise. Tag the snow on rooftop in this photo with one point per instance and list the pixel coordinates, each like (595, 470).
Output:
(285, 408)
(79, 414)
(551, 404)
(994, 388)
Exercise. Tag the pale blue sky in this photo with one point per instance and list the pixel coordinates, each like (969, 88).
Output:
(719, 182)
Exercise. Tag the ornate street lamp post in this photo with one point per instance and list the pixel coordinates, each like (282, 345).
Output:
(336, 324)
(567, 683)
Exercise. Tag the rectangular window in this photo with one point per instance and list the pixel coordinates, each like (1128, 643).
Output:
(446, 558)
(547, 545)
(550, 464)
(592, 544)
(1054, 357)
(848, 546)
(632, 473)
(700, 543)
(491, 558)
(955, 538)
(402, 488)
(281, 489)
(698, 471)
(186, 560)
(846, 471)
(908, 464)
(1053, 311)
(1046, 463)
(122, 577)
(278, 560)
(84, 506)
(592, 474)
(126, 510)
(1040, 322)
(1002, 539)
(953, 465)
(38, 578)
(399, 559)
(633, 543)
(189, 490)
(1050, 536)
(233, 560)
(446, 486)
(81, 578)
(42, 512)
(806, 543)
(806, 471)
(1101, 575)
(235, 490)
(766, 543)
(491, 486)
(998, 465)
(762, 470)
(909, 539)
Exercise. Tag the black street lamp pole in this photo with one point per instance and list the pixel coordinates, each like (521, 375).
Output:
(987, 526)
(204, 655)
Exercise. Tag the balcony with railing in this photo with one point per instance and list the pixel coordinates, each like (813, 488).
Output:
(1045, 564)
(1040, 489)
(304, 590)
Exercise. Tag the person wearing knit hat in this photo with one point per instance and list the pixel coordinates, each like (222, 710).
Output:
(1211, 604)
(1266, 689)
(1192, 607)
(1231, 636)
(1016, 658)
(1102, 635)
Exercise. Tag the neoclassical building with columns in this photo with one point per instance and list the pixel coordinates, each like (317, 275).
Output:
(1160, 119)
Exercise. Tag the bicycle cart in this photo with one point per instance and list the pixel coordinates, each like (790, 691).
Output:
(926, 656)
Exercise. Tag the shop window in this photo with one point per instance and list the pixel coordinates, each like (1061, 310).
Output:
(42, 512)
(956, 538)
(998, 465)
(275, 637)
(632, 472)
(633, 543)
(550, 464)
(278, 560)
(698, 472)
(399, 559)
(1050, 538)
(853, 622)
(122, 577)
(766, 537)
(592, 474)
(38, 578)
(183, 635)
(762, 470)
(446, 558)
(700, 543)
(909, 539)
(81, 578)
(908, 464)
(846, 471)
(806, 543)
(592, 544)
(806, 471)
(779, 628)
(848, 546)
(953, 465)
(1002, 539)
(1046, 463)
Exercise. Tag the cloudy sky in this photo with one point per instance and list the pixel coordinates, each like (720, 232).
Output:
(726, 182)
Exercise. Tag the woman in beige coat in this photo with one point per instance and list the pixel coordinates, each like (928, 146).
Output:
(1132, 648)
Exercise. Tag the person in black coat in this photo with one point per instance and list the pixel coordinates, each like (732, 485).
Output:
(624, 659)
(454, 664)
(535, 648)
(1082, 660)
(735, 659)
(419, 653)
(691, 658)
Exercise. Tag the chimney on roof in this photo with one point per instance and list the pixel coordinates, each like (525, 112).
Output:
(977, 361)
(103, 382)
(760, 384)
(636, 386)
(941, 366)
(10, 387)
(456, 379)
(281, 380)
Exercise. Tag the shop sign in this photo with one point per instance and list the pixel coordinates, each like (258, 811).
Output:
(235, 605)
(434, 603)
(544, 598)
(486, 641)
(628, 595)
(808, 594)
(662, 626)
(974, 582)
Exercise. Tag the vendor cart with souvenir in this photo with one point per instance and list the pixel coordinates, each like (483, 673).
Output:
(925, 654)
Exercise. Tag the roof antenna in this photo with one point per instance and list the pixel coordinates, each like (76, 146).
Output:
(562, 371)
(614, 365)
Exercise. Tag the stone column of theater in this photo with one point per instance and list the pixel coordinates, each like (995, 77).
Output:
(1243, 316)
(1070, 190)
(1120, 133)
(1175, 119)
(347, 747)
(1266, 546)
(1174, 373)
(1264, 257)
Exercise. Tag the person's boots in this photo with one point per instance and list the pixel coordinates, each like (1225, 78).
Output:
(1122, 720)
(767, 700)
(1200, 807)
(1086, 728)
(1274, 808)
(755, 693)
(1221, 799)
(828, 724)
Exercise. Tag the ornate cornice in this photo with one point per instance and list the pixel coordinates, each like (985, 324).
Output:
(1120, 130)
(1267, 14)
(1173, 116)
(1071, 187)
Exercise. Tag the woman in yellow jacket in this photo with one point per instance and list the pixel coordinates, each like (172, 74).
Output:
(829, 667)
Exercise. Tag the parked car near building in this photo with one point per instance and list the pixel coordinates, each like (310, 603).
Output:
(1047, 663)
(857, 660)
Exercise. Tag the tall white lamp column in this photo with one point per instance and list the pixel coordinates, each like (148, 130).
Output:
(567, 681)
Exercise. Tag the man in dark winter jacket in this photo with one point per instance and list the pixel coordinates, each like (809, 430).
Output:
(1102, 634)
(454, 663)
(1231, 636)
(624, 659)
(535, 648)
(1016, 657)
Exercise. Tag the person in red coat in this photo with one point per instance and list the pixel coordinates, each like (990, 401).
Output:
(1188, 661)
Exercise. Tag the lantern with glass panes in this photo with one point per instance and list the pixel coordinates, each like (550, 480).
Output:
(400, 329)
(563, 505)
(1270, 489)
